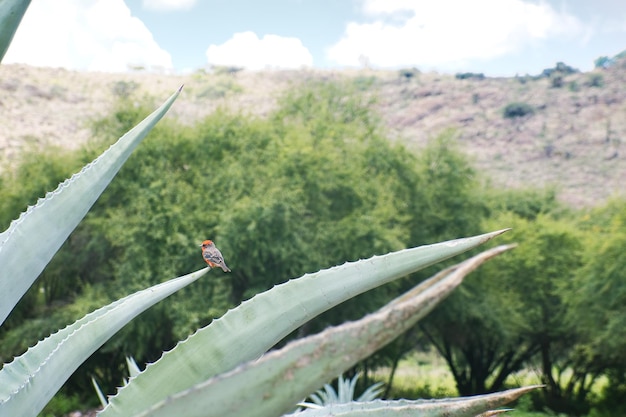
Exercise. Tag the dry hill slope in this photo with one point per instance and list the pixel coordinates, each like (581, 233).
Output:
(573, 140)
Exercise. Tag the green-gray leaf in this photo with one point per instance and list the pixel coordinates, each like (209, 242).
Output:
(31, 241)
(30, 380)
(11, 13)
(277, 312)
(453, 407)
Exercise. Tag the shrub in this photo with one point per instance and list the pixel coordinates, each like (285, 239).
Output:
(124, 89)
(595, 80)
(408, 73)
(556, 81)
(513, 110)
(560, 68)
(603, 62)
(219, 88)
(364, 83)
(469, 75)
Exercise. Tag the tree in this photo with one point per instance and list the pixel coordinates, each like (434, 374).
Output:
(597, 307)
(603, 62)
(445, 203)
(313, 185)
(512, 309)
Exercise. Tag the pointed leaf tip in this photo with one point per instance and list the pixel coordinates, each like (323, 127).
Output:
(515, 393)
(501, 231)
(181, 88)
(494, 412)
(300, 300)
(54, 217)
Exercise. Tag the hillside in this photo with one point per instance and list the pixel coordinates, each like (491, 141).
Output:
(573, 140)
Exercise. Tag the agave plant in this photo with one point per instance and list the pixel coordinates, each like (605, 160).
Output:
(344, 393)
(212, 373)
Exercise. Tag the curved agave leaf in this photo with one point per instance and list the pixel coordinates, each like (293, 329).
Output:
(54, 217)
(28, 383)
(11, 13)
(247, 331)
(454, 407)
(274, 383)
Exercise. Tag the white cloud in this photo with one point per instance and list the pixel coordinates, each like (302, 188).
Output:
(168, 5)
(94, 35)
(447, 33)
(246, 50)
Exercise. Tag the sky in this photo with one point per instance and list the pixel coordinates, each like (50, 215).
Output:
(494, 37)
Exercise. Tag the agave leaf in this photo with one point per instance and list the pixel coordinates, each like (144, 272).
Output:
(344, 393)
(345, 389)
(492, 413)
(30, 380)
(273, 384)
(99, 393)
(372, 392)
(454, 407)
(31, 241)
(133, 368)
(247, 331)
(11, 13)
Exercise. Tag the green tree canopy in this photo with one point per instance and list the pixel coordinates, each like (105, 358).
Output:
(314, 184)
(513, 308)
(597, 307)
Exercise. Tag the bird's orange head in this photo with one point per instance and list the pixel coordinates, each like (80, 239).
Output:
(206, 243)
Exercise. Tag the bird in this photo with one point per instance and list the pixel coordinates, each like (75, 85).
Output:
(212, 255)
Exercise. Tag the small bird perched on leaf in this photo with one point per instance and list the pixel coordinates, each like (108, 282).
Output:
(213, 256)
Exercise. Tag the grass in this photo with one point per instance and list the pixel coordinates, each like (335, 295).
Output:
(420, 375)
(426, 375)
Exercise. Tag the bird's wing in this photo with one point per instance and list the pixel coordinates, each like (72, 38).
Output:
(213, 257)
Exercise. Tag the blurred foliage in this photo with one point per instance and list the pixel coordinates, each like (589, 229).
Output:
(606, 62)
(560, 68)
(469, 76)
(555, 303)
(527, 203)
(597, 307)
(557, 80)
(602, 62)
(408, 73)
(611, 399)
(497, 321)
(513, 110)
(595, 80)
(219, 88)
(364, 82)
(314, 184)
(60, 403)
(124, 89)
